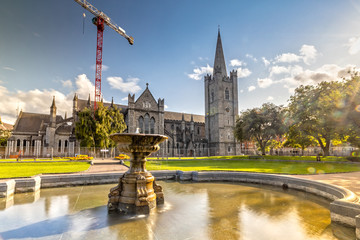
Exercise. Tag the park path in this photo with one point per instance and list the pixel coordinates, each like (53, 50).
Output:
(350, 181)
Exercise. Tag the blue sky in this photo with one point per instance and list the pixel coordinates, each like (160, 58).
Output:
(275, 45)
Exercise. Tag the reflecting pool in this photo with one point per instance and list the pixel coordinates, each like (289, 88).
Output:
(191, 211)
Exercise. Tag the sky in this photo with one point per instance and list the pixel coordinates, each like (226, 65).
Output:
(47, 48)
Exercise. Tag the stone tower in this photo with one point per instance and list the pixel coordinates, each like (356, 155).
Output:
(221, 106)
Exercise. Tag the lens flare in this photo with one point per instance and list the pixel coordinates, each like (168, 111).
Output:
(311, 170)
(357, 108)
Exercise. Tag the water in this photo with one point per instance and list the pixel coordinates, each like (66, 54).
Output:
(191, 211)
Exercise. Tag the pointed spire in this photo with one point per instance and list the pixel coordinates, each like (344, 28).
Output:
(89, 101)
(219, 63)
(75, 97)
(53, 103)
(112, 102)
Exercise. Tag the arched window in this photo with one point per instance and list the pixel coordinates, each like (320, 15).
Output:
(212, 95)
(147, 123)
(18, 144)
(141, 124)
(227, 96)
(198, 130)
(24, 143)
(33, 143)
(66, 144)
(152, 125)
(59, 149)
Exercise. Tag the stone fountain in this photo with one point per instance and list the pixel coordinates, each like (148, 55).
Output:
(137, 192)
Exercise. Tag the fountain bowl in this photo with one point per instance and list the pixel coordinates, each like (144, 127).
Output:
(137, 191)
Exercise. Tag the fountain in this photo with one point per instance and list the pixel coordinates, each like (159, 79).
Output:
(137, 191)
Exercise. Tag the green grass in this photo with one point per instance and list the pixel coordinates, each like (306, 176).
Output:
(253, 166)
(267, 157)
(12, 170)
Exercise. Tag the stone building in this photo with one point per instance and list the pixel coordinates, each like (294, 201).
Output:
(188, 134)
(221, 106)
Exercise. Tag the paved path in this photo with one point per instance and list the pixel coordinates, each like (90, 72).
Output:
(350, 181)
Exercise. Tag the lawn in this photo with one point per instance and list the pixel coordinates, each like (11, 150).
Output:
(267, 157)
(12, 170)
(253, 166)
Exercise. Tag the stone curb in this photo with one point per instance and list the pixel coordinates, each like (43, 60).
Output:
(345, 208)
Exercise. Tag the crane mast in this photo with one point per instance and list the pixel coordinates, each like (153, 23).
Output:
(99, 20)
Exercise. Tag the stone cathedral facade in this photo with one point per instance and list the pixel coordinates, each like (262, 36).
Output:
(188, 134)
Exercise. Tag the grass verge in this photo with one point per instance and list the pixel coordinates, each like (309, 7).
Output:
(12, 170)
(253, 166)
(267, 157)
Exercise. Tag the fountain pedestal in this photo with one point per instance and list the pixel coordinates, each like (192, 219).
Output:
(137, 192)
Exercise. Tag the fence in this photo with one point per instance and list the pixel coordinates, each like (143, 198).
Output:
(110, 153)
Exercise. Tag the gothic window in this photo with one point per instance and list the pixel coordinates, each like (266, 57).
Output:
(66, 144)
(229, 149)
(152, 125)
(59, 149)
(24, 143)
(227, 96)
(198, 131)
(141, 124)
(212, 96)
(147, 122)
(33, 143)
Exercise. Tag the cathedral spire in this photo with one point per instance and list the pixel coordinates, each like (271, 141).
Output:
(112, 102)
(219, 63)
(53, 103)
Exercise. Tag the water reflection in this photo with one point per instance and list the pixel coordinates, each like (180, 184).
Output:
(191, 211)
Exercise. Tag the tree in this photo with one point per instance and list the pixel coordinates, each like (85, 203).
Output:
(352, 109)
(94, 129)
(317, 111)
(260, 125)
(298, 139)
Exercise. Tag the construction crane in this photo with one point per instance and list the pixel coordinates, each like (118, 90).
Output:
(99, 20)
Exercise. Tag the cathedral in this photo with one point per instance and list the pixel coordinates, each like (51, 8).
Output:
(188, 134)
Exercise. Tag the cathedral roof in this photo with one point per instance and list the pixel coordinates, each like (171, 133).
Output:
(32, 122)
(66, 129)
(83, 104)
(219, 62)
(187, 117)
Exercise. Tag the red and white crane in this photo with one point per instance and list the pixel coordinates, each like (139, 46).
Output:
(99, 20)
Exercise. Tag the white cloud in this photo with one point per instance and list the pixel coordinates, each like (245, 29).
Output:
(275, 70)
(270, 98)
(251, 88)
(66, 83)
(354, 45)
(199, 72)
(309, 53)
(84, 86)
(166, 106)
(243, 72)
(237, 63)
(264, 82)
(9, 69)
(287, 58)
(251, 57)
(129, 86)
(124, 99)
(265, 61)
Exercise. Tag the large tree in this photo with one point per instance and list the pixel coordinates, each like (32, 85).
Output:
(318, 112)
(352, 109)
(297, 139)
(94, 129)
(260, 125)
